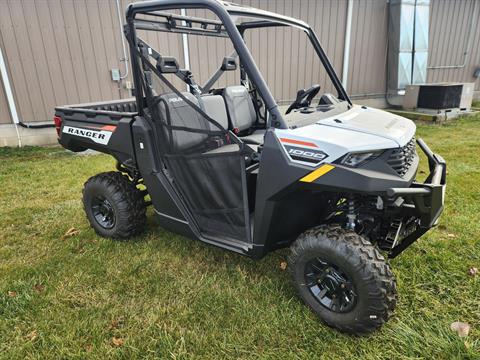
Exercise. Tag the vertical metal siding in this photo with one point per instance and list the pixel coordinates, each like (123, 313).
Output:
(61, 52)
(368, 52)
(284, 56)
(293, 65)
(449, 33)
(4, 111)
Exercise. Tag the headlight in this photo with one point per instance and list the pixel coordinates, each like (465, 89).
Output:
(357, 158)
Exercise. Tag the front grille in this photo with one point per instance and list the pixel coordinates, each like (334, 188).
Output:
(402, 158)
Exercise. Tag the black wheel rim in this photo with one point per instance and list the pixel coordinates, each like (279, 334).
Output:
(330, 286)
(103, 212)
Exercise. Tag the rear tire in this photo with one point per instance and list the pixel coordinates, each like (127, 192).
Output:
(343, 278)
(114, 206)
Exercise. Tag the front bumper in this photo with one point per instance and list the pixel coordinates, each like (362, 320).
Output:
(422, 200)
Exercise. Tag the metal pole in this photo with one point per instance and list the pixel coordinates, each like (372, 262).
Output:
(186, 51)
(346, 48)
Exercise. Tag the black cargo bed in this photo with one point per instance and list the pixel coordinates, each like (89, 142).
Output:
(102, 126)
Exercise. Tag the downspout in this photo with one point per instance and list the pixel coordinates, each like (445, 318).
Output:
(125, 56)
(9, 94)
(346, 48)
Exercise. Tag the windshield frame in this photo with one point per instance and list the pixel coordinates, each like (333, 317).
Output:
(270, 21)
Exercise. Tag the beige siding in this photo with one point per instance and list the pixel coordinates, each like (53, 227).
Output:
(286, 60)
(450, 24)
(4, 112)
(368, 49)
(285, 56)
(61, 51)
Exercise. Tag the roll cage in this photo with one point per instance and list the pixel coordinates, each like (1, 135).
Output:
(224, 27)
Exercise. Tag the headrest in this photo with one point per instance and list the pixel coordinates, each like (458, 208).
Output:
(229, 64)
(167, 65)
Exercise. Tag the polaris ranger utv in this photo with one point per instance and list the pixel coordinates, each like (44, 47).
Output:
(333, 181)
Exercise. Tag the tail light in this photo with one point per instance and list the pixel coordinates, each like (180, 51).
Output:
(58, 124)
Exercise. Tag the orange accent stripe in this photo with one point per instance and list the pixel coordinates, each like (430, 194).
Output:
(105, 127)
(109, 128)
(298, 142)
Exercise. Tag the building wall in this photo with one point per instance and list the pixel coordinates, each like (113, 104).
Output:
(4, 112)
(367, 74)
(286, 60)
(61, 51)
(454, 30)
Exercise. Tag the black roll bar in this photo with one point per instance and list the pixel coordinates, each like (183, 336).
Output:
(328, 66)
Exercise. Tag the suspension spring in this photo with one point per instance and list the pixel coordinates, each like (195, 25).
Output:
(351, 214)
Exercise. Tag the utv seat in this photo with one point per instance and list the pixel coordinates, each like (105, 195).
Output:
(215, 108)
(179, 113)
(176, 112)
(242, 114)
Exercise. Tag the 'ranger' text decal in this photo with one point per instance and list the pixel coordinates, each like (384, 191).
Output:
(98, 136)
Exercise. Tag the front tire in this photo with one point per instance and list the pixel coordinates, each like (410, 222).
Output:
(114, 206)
(343, 278)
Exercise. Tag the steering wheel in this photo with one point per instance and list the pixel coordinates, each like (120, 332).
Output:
(304, 98)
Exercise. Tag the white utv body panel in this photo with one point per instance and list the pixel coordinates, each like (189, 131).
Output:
(359, 129)
(376, 122)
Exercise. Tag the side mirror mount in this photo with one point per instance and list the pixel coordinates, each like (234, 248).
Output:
(167, 65)
(229, 64)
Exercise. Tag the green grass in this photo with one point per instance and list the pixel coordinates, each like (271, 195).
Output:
(166, 296)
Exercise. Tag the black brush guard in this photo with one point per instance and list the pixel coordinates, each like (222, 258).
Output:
(428, 198)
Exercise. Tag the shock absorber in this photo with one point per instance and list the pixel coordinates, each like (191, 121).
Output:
(351, 215)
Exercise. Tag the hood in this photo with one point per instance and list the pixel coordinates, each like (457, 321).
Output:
(374, 122)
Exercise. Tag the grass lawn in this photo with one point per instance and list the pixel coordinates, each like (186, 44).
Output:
(161, 295)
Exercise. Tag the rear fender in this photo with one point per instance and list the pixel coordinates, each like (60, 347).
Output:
(102, 133)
